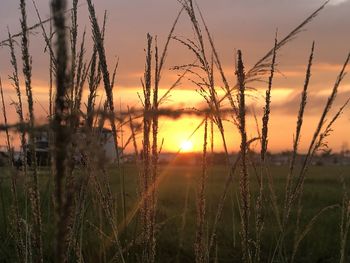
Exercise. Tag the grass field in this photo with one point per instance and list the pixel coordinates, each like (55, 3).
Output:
(176, 215)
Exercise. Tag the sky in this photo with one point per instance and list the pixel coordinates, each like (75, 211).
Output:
(249, 25)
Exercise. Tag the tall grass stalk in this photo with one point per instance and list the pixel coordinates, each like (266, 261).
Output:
(46, 37)
(262, 66)
(20, 248)
(315, 143)
(34, 187)
(298, 132)
(200, 246)
(344, 223)
(23, 156)
(98, 40)
(4, 114)
(146, 209)
(259, 218)
(207, 84)
(244, 178)
(183, 221)
(73, 45)
(63, 197)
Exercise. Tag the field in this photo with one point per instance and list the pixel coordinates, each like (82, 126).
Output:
(176, 215)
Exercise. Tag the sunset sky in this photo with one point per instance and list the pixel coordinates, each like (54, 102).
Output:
(249, 25)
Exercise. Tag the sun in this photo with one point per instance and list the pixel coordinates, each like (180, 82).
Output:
(186, 146)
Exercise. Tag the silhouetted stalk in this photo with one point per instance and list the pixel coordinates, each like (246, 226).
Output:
(34, 187)
(296, 190)
(15, 79)
(72, 184)
(200, 247)
(133, 135)
(265, 119)
(308, 228)
(31, 28)
(8, 142)
(20, 249)
(19, 111)
(73, 45)
(221, 202)
(10, 158)
(244, 179)
(106, 204)
(47, 38)
(218, 63)
(155, 122)
(264, 145)
(298, 187)
(159, 64)
(51, 81)
(98, 39)
(109, 106)
(146, 209)
(81, 77)
(261, 67)
(200, 52)
(183, 222)
(344, 224)
(93, 81)
(297, 135)
(63, 196)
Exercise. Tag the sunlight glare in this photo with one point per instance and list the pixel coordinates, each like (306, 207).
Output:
(186, 146)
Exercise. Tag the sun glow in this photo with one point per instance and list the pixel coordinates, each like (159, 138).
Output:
(186, 146)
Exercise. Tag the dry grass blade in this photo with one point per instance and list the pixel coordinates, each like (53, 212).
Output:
(200, 248)
(265, 119)
(298, 129)
(344, 223)
(261, 66)
(200, 53)
(15, 78)
(146, 211)
(63, 197)
(312, 149)
(34, 184)
(218, 63)
(20, 248)
(98, 39)
(308, 228)
(222, 202)
(31, 28)
(244, 179)
(8, 142)
(46, 37)
(264, 146)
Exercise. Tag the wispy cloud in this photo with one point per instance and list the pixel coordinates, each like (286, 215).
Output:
(337, 2)
(314, 106)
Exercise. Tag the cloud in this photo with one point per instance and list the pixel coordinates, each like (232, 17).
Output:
(315, 104)
(337, 2)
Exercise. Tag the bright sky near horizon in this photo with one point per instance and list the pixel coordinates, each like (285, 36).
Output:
(249, 25)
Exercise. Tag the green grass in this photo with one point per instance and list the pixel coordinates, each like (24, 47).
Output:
(322, 188)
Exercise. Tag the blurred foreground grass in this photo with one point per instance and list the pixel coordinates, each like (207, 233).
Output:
(176, 215)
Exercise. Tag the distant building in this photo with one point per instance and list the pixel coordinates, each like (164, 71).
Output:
(108, 145)
(42, 150)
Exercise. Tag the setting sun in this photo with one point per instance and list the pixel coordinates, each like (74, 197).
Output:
(186, 146)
